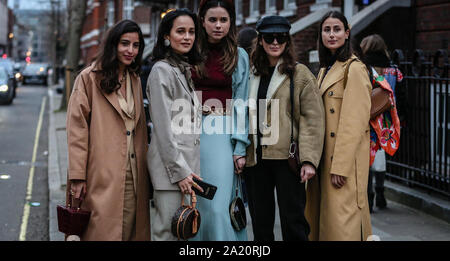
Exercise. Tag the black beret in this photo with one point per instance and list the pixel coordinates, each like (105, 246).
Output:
(273, 24)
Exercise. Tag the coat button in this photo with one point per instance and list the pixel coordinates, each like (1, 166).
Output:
(332, 134)
(331, 93)
(132, 155)
(134, 133)
(128, 133)
(332, 110)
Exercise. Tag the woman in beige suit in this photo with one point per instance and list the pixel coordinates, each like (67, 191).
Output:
(337, 206)
(174, 153)
(107, 140)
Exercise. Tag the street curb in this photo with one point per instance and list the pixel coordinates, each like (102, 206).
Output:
(56, 194)
(433, 206)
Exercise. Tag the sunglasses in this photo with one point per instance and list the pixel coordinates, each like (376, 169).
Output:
(281, 38)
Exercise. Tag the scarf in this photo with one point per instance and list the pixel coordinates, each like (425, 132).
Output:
(182, 63)
(385, 128)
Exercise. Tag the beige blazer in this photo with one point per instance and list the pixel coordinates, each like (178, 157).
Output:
(97, 146)
(174, 151)
(342, 214)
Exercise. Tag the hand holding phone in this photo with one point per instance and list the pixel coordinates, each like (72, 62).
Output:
(209, 190)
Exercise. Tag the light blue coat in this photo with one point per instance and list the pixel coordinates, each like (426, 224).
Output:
(240, 78)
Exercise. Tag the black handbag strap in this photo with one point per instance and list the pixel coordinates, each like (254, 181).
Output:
(238, 184)
(291, 87)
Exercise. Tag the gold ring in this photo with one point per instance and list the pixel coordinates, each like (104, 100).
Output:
(72, 193)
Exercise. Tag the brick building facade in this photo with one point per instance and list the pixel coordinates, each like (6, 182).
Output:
(101, 15)
(421, 24)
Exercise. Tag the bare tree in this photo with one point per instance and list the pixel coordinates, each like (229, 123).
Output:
(77, 13)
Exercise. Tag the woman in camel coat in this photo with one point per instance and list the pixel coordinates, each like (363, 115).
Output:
(337, 206)
(107, 140)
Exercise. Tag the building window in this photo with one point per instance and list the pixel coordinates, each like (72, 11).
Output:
(239, 14)
(289, 8)
(128, 7)
(271, 7)
(111, 13)
(254, 12)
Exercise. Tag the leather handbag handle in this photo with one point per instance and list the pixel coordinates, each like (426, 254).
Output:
(71, 205)
(193, 199)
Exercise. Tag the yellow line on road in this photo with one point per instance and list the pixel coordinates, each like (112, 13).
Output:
(26, 207)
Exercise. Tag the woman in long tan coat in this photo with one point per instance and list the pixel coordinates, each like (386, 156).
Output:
(337, 206)
(107, 141)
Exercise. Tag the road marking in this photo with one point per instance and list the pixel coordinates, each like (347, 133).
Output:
(26, 207)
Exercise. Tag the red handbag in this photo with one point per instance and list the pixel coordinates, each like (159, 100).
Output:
(71, 220)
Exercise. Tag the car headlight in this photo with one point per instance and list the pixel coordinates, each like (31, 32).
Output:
(18, 75)
(3, 88)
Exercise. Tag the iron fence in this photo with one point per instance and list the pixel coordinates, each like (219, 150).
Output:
(423, 100)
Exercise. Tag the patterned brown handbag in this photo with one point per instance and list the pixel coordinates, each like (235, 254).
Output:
(186, 220)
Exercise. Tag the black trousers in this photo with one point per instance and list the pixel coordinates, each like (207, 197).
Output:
(261, 180)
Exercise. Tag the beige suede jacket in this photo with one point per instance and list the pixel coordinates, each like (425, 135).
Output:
(309, 118)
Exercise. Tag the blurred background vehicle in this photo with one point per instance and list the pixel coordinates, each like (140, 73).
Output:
(9, 66)
(18, 68)
(6, 87)
(36, 73)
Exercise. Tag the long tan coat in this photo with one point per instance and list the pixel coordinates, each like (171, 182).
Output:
(97, 145)
(342, 214)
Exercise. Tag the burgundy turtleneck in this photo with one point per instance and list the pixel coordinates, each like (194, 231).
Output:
(217, 85)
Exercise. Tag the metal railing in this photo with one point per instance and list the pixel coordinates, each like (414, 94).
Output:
(423, 100)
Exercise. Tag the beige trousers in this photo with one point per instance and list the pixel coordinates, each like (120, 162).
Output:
(129, 210)
(166, 203)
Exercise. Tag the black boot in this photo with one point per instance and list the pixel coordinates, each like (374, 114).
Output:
(380, 200)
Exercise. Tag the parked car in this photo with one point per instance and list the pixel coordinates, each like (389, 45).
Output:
(36, 72)
(6, 87)
(9, 66)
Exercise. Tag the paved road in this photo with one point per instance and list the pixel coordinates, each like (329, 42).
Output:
(18, 128)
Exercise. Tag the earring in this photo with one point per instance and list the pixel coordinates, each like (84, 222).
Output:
(167, 42)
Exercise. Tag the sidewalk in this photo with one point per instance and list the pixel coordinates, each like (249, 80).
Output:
(398, 222)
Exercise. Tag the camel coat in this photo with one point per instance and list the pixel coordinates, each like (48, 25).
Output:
(342, 214)
(97, 146)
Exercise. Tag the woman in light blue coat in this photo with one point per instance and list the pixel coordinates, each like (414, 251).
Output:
(222, 83)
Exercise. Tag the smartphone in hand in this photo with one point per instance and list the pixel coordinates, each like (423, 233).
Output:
(209, 190)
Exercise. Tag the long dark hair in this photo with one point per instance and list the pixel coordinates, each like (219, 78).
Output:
(107, 57)
(260, 61)
(229, 42)
(344, 52)
(160, 50)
